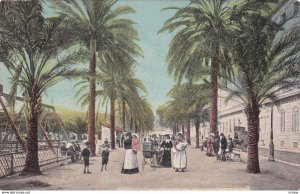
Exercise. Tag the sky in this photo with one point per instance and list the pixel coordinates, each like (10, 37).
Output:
(152, 68)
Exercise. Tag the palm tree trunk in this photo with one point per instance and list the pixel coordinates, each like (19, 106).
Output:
(188, 132)
(253, 134)
(174, 130)
(131, 123)
(32, 160)
(135, 127)
(214, 92)
(112, 120)
(92, 101)
(197, 126)
(123, 114)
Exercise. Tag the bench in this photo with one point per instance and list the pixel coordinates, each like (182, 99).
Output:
(233, 157)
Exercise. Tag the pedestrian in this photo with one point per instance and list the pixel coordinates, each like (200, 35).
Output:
(230, 145)
(85, 153)
(180, 158)
(223, 143)
(106, 142)
(130, 164)
(105, 156)
(216, 144)
(122, 140)
(209, 145)
(154, 142)
(167, 146)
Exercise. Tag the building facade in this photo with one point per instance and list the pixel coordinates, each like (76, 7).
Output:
(286, 116)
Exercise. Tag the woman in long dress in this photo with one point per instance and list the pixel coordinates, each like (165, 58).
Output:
(179, 157)
(210, 148)
(130, 165)
(167, 145)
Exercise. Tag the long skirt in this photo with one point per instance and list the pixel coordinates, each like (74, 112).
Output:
(131, 164)
(166, 159)
(210, 150)
(180, 159)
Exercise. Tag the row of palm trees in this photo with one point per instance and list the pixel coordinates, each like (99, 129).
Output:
(40, 52)
(237, 47)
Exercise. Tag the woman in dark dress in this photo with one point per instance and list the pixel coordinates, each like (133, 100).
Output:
(167, 145)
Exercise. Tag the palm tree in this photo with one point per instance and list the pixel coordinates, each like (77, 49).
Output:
(203, 27)
(264, 59)
(98, 26)
(31, 46)
(124, 88)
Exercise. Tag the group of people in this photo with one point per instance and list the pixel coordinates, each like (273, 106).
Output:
(217, 145)
(174, 153)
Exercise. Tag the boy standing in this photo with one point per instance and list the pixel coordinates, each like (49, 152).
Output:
(86, 158)
(105, 155)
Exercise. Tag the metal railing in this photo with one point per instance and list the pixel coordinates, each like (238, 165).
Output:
(14, 162)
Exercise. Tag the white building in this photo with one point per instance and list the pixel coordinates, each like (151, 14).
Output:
(285, 114)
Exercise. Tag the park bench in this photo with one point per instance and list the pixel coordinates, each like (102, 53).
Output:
(233, 157)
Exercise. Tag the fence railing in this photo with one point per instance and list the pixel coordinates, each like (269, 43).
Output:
(14, 162)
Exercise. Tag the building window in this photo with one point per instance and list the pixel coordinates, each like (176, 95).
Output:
(226, 126)
(296, 7)
(281, 143)
(233, 123)
(295, 119)
(282, 121)
(295, 144)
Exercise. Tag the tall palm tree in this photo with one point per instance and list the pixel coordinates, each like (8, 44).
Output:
(263, 59)
(203, 27)
(99, 27)
(31, 51)
(115, 88)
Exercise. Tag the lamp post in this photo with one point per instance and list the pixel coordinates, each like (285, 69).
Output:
(271, 145)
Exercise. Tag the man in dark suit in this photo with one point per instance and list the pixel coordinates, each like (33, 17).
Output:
(223, 146)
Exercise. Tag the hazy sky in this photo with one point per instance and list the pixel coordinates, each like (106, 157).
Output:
(152, 69)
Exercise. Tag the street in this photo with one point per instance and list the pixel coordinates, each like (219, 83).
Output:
(203, 173)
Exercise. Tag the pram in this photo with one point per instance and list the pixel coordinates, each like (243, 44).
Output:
(151, 155)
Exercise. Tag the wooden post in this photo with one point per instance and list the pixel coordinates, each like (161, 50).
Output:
(11, 163)
(60, 122)
(47, 138)
(13, 125)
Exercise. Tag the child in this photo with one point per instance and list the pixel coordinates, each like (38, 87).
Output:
(135, 144)
(105, 155)
(86, 158)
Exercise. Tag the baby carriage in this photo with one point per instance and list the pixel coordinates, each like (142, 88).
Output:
(151, 155)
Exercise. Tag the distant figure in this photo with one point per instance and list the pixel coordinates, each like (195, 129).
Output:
(154, 142)
(180, 158)
(130, 165)
(216, 144)
(167, 146)
(122, 140)
(223, 143)
(230, 145)
(210, 148)
(105, 156)
(86, 158)
(63, 149)
(106, 143)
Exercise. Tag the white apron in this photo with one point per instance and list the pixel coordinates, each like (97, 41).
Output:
(130, 160)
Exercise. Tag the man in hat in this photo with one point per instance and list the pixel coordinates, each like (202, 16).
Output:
(167, 146)
(86, 158)
(223, 146)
